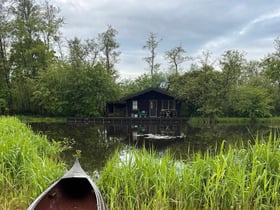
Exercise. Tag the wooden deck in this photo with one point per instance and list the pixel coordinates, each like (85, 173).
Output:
(127, 120)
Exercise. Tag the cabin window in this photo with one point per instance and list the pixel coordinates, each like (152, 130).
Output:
(134, 105)
(164, 104)
(171, 104)
(167, 104)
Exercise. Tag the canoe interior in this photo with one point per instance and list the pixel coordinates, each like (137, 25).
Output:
(69, 193)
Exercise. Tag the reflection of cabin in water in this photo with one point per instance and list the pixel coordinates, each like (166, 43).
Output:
(152, 102)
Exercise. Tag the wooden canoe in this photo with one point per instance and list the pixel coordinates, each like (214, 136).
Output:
(75, 190)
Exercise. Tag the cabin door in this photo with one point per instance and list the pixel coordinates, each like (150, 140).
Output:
(153, 108)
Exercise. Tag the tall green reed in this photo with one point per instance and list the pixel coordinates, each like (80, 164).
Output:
(28, 163)
(241, 176)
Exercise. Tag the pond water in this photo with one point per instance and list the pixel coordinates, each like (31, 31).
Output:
(98, 142)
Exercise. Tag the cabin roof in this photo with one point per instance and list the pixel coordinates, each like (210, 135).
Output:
(158, 90)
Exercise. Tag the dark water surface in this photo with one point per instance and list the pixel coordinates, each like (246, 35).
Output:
(98, 143)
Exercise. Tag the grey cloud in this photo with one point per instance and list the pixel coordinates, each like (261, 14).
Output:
(194, 24)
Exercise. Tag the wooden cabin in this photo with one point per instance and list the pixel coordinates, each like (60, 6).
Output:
(152, 102)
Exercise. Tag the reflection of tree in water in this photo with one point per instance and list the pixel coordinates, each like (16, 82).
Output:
(93, 141)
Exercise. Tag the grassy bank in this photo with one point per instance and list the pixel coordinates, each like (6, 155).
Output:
(28, 164)
(235, 120)
(38, 119)
(192, 120)
(238, 177)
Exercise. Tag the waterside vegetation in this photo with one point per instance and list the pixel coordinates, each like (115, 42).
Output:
(192, 120)
(244, 176)
(29, 163)
(240, 176)
(233, 120)
(40, 119)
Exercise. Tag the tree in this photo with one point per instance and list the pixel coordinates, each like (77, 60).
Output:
(277, 46)
(210, 100)
(35, 29)
(175, 57)
(28, 52)
(77, 53)
(151, 45)
(108, 47)
(81, 53)
(62, 90)
(5, 30)
(272, 69)
(49, 93)
(252, 102)
(209, 80)
(250, 70)
(200, 90)
(142, 82)
(93, 51)
(271, 65)
(50, 24)
(232, 63)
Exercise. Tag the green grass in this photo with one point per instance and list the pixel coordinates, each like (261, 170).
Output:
(36, 119)
(231, 177)
(199, 120)
(192, 120)
(28, 164)
(270, 120)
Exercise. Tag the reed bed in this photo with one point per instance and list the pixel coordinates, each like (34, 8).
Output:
(28, 163)
(230, 177)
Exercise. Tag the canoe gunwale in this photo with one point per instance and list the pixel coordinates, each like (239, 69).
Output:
(76, 172)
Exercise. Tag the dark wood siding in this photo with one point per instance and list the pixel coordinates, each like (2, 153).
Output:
(151, 102)
(144, 103)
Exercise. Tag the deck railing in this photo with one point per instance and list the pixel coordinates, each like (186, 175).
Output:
(127, 120)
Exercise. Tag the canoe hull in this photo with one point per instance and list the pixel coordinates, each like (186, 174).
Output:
(75, 190)
(71, 193)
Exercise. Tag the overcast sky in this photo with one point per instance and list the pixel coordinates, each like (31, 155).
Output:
(196, 25)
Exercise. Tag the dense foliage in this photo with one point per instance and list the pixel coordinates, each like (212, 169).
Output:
(29, 163)
(230, 177)
(41, 74)
(38, 76)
